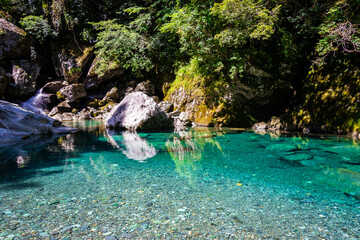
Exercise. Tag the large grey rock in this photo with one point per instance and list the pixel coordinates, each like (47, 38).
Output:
(72, 93)
(24, 74)
(274, 124)
(137, 111)
(260, 126)
(14, 42)
(16, 123)
(5, 79)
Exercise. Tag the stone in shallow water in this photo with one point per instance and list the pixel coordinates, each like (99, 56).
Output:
(298, 157)
(85, 228)
(107, 233)
(309, 163)
(282, 147)
(127, 235)
(112, 237)
(10, 237)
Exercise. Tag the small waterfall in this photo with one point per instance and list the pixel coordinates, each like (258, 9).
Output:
(36, 103)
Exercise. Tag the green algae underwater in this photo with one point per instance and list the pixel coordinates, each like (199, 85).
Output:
(202, 184)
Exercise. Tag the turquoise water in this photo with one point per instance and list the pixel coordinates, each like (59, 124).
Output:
(200, 184)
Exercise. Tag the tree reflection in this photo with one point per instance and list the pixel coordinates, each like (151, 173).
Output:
(187, 150)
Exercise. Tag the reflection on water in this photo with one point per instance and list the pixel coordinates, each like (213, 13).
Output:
(187, 148)
(137, 148)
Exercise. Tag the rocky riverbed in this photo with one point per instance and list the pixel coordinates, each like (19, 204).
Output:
(197, 185)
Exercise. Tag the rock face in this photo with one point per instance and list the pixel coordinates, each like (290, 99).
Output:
(14, 42)
(69, 61)
(193, 104)
(72, 93)
(17, 123)
(95, 79)
(182, 121)
(146, 87)
(137, 111)
(24, 73)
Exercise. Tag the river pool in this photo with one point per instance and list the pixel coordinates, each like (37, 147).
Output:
(200, 184)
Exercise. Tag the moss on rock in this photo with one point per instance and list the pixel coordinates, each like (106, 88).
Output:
(331, 99)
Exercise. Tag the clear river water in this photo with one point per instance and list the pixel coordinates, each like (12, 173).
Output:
(199, 184)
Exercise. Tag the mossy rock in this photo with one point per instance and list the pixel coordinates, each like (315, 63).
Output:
(96, 113)
(204, 116)
(93, 104)
(102, 103)
(60, 96)
(110, 104)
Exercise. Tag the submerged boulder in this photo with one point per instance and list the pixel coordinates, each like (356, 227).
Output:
(16, 124)
(138, 111)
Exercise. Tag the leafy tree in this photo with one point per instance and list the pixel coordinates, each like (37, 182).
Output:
(38, 27)
(118, 44)
(244, 19)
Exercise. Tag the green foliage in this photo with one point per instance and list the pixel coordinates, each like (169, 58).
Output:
(38, 27)
(339, 32)
(243, 19)
(123, 46)
(190, 79)
(191, 25)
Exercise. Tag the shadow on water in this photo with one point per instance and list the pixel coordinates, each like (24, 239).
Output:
(19, 163)
(20, 186)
